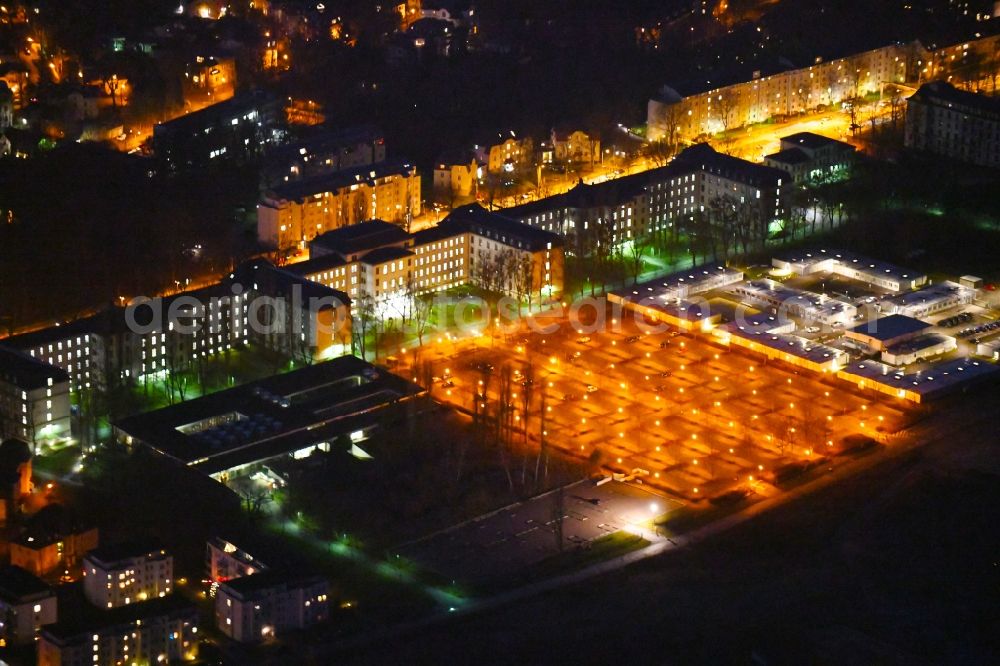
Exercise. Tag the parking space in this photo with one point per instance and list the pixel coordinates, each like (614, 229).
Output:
(509, 541)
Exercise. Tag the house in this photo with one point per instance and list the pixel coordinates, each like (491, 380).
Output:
(15, 476)
(575, 147)
(53, 539)
(26, 603)
(506, 154)
(456, 176)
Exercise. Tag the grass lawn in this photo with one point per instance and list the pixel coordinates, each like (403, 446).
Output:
(583, 555)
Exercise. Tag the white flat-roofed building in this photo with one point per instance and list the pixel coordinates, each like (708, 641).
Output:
(918, 348)
(772, 337)
(851, 265)
(884, 332)
(671, 299)
(928, 300)
(806, 305)
(919, 386)
(123, 574)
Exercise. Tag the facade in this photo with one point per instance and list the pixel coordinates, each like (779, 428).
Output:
(53, 539)
(34, 398)
(659, 199)
(387, 266)
(886, 332)
(151, 632)
(116, 576)
(153, 337)
(15, 477)
(575, 146)
(874, 272)
(952, 123)
(507, 155)
(257, 608)
(291, 214)
(455, 176)
(809, 157)
(324, 152)
(237, 129)
(679, 115)
(26, 603)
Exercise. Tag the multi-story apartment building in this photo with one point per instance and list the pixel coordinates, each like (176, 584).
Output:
(224, 561)
(34, 398)
(952, 123)
(324, 152)
(152, 632)
(682, 113)
(656, 200)
(291, 214)
(506, 155)
(237, 128)
(119, 575)
(256, 608)
(154, 337)
(381, 262)
(26, 603)
(806, 156)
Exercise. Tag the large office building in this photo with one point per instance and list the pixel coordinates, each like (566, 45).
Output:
(293, 213)
(34, 398)
(263, 606)
(652, 201)
(152, 632)
(122, 574)
(957, 124)
(237, 432)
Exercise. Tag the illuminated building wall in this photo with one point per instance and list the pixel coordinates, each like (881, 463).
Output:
(34, 398)
(112, 579)
(265, 605)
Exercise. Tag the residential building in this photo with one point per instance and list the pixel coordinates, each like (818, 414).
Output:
(323, 152)
(122, 574)
(53, 539)
(225, 561)
(383, 263)
(15, 477)
(952, 123)
(575, 146)
(6, 106)
(26, 603)
(506, 154)
(654, 201)
(291, 214)
(152, 632)
(34, 398)
(265, 605)
(237, 128)
(809, 157)
(456, 176)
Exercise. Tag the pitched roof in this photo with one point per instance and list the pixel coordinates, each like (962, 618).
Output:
(360, 237)
(27, 373)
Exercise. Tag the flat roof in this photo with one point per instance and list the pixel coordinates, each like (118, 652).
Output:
(272, 416)
(809, 258)
(94, 620)
(123, 550)
(938, 378)
(297, 190)
(887, 328)
(929, 294)
(679, 285)
(26, 372)
(17, 584)
(263, 580)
